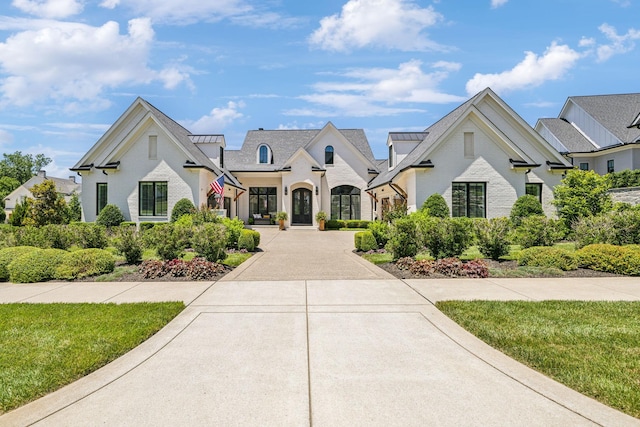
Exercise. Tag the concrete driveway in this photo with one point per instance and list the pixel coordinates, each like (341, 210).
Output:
(333, 352)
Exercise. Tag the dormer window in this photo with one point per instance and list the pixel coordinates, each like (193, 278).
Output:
(390, 156)
(221, 157)
(328, 155)
(264, 155)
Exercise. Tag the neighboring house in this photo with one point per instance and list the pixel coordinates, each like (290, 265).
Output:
(146, 162)
(64, 187)
(600, 133)
(480, 157)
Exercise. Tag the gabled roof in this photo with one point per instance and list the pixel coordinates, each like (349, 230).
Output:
(438, 131)
(179, 133)
(284, 143)
(571, 138)
(616, 113)
(66, 186)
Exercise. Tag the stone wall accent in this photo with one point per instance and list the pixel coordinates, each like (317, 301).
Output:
(626, 195)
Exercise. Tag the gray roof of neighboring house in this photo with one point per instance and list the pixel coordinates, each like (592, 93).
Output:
(572, 139)
(186, 138)
(433, 133)
(66, 186)
(283, 144)
(615, 112)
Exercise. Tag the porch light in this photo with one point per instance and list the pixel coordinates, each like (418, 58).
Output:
(316, 190)
(286, 190)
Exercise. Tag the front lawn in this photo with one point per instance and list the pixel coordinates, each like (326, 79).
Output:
(592, 347)
(46, 346)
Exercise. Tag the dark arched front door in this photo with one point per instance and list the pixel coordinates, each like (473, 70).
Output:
(301, 206)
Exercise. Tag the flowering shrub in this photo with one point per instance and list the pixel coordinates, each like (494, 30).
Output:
(405, 263)
(196, 269)
(477, 269)
(423, 267)
(451, 267)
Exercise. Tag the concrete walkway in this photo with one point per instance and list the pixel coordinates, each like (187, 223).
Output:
(293, 352)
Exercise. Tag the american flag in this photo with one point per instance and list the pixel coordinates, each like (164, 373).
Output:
(217, 186)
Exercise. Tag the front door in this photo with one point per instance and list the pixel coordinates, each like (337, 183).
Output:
(301, 207)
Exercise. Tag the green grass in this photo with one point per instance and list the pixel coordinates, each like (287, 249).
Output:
(526, 271)
(592, 347)
(46, 346)
(236, 258)
(378, 258)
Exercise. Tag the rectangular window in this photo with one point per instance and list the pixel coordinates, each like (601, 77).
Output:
(610, 168)
(584, 166)
(101, 196)
(153, 147)
(469, 151)
(534, 189)
(263, 200)
(390, 156)
(468, 199)
(153, 198)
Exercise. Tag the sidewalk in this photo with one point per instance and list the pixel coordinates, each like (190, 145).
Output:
(292, 352)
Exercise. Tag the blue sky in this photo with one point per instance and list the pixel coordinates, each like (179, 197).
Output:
(69, 68)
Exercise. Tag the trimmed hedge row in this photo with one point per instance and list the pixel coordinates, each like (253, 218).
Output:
(336, 224)
(611, 259)
(549, 257)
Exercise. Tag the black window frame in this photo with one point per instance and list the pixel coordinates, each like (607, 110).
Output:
(538, 186)
(390, 156)
(471, 207)
(100, 204)
(328, 155)
(611, 166)
(584, 166)
(221, 157)
(257, 198)
(156, 202)
(346, 198)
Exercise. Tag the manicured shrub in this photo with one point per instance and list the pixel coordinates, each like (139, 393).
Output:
(538, 230)
(88, 235)
(167, 240)
(59, 236)
(525, 207)
(436, 205)
(335, 224)
(182, 207)
(492, 236)
(85, 263)
(144, 226)
(450, 267)
(234, 228)
(609, 258)
(9, 254)
(32, 236)
(110, 216)
(365, 241)
(380, 230)
(128, 242)
(357, 240)
(405, 237)
(256, 238)
(625, 178)
(549, 257)
(7, 236)
(615, 228)
(128, 224)
(35, 266)
(445, 237)
(246, 241)
(210, 241)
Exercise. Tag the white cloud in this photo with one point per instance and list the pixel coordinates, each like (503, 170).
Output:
(217, 119)
(618, 44)
(74, 63)
(50, 8)
(533, 71)
(497, 3)
(5, 137)
(295, 126)
(376, 91)
(389, 24)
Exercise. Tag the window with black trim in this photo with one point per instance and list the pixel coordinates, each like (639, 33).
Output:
(264, 155)
(101, 196)
(584, 166)
(534, 189)
(469, 199)
(610, 167)
(390, 156)
(328, 155)
(153, 200)
(345, 202)
(263, 200)
(221, 157)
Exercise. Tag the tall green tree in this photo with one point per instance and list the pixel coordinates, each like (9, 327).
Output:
(582, 194)
(22, 167)
(46, 207)
(74, 209)
(7, 185)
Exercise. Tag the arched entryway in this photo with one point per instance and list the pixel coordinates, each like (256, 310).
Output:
(301, 206)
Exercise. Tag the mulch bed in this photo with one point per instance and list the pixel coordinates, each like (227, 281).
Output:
(390, 267)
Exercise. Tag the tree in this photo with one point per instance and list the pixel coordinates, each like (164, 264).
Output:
(19, 212)
(436, 205)
(22, 167)
(74, 209)
(7, 185)
(46, 207)
(582, 194)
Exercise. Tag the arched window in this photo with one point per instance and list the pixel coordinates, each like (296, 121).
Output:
(328, 155)
(345, 202)
(264, 155)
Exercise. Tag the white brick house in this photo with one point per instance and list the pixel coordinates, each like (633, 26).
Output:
(480, 157)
